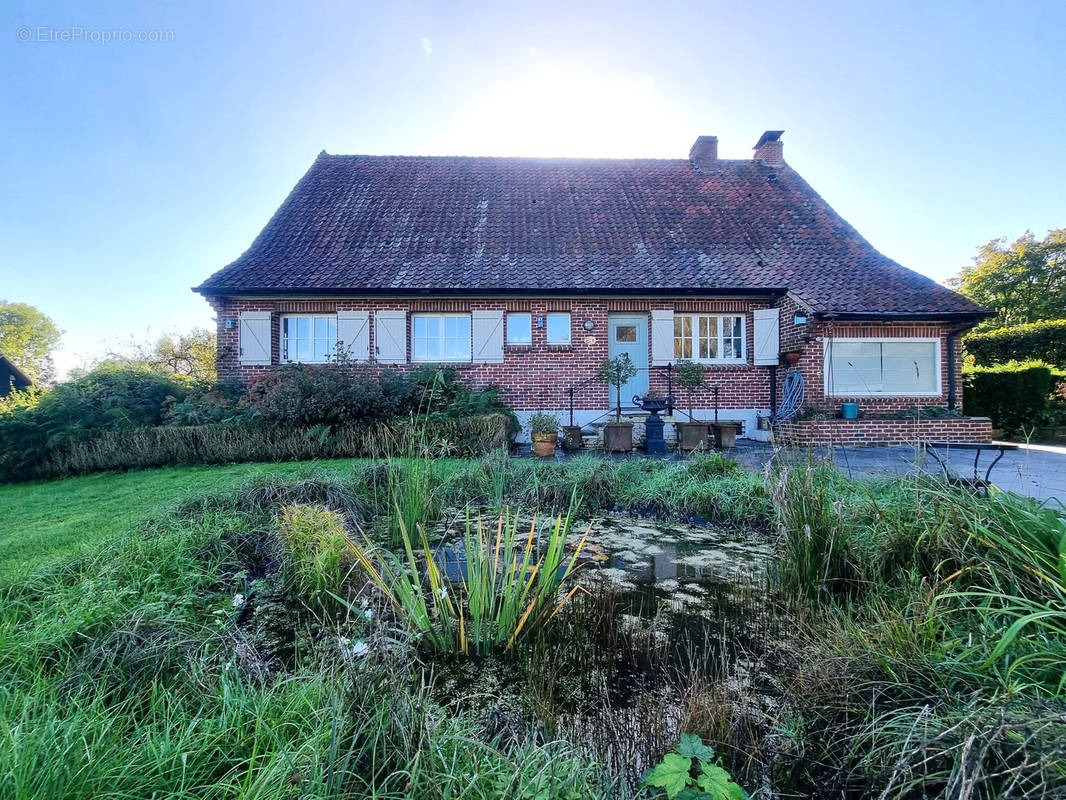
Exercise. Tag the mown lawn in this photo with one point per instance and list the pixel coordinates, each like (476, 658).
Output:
(49, 521)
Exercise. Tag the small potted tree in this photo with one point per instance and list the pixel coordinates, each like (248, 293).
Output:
(617, 435)
(544, 431)
(693, 434)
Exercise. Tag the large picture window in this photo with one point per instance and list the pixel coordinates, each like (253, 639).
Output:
(309, 339)
(440, 337)
(865, 367)
(709, 338)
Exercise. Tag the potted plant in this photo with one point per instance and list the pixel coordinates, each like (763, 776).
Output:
(544, 431)
(617, 435)
(792, 356)
(691, 434)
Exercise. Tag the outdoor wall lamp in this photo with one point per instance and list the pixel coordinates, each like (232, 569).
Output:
(588, 324)
(230, 323)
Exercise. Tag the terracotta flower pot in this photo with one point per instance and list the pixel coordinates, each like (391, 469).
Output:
(618, 437)
(791, 358)
(544, 444)
(692, 435)
(572, 437)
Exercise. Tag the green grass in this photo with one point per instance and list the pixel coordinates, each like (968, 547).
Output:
(49, 521)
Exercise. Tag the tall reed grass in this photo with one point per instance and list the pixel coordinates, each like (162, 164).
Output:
(510, 586)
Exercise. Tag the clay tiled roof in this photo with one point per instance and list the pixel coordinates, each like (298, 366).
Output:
(392, 224)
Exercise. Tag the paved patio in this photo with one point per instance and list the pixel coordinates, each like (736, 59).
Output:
(1037, 471)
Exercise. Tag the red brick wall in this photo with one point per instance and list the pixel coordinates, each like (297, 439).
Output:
(885, 431)
(536, 376)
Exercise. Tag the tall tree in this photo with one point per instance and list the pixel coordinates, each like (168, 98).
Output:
(191, 354)
(1021, 282)
(28, 337)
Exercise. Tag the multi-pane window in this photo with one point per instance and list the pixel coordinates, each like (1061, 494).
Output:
(440, 337)
(309, 339)
(857, 367)
(558, 328)
(708, 337)
(519, 329)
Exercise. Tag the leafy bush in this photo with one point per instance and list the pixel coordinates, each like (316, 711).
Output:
(298, 394)
(108, 398)
(1040, 341)
(205, 404)
(1013, 395)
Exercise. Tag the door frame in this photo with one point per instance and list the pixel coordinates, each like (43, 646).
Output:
(640, 383)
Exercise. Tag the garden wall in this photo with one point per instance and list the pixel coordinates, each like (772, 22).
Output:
(885, 431)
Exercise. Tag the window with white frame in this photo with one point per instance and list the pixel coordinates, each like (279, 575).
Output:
(709, 338)
(863, 367)
(520, 328)
(440, 337)
(558, 328)
(309, 339)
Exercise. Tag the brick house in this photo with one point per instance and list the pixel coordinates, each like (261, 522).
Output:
(526, 273)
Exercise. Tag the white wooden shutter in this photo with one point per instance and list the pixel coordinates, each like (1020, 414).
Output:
(390, 337)
(662, 337)
(767, 335)
(254, 343)
(486, 328)
(353, 335)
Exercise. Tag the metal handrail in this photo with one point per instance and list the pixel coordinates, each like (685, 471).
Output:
(670, 399)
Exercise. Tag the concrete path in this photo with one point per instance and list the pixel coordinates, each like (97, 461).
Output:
(1037, 471)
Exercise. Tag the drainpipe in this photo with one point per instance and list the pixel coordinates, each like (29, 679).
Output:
(950, 342)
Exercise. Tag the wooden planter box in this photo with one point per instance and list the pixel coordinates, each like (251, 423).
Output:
(692, 435)
(618, 437)
(725, 434)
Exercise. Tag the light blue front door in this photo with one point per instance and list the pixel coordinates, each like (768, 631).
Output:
(628, 333)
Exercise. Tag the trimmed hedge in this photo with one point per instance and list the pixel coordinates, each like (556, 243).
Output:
(1038, 341)
(1013, 394)
(134, 448)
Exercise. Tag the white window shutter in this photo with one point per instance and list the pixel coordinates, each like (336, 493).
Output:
(254, 343)
(662, 337)
(486, 328)
(767, 336)
(390, 337)
(353, 335)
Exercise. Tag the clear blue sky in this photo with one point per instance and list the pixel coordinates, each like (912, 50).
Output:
(130, 171)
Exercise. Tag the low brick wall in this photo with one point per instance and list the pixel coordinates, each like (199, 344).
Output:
(885, 431)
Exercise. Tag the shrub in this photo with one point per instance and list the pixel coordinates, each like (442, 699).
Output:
(1013, 395)
(205, 404)
(299, 394)
(108, 398)
(1041, 341)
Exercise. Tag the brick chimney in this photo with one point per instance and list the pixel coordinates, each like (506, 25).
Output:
(704, 153)
(769, 149)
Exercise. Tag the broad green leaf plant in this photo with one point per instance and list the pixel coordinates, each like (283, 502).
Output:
(691, 772)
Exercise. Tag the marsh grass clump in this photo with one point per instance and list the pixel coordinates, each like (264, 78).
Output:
(814, 541)
(262, 497)
(317, 554)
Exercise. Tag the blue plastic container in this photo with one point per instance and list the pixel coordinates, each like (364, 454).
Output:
(849, 410)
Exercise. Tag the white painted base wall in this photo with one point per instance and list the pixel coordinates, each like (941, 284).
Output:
(748, 415)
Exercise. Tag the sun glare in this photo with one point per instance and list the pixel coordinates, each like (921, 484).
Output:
(558, 111)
